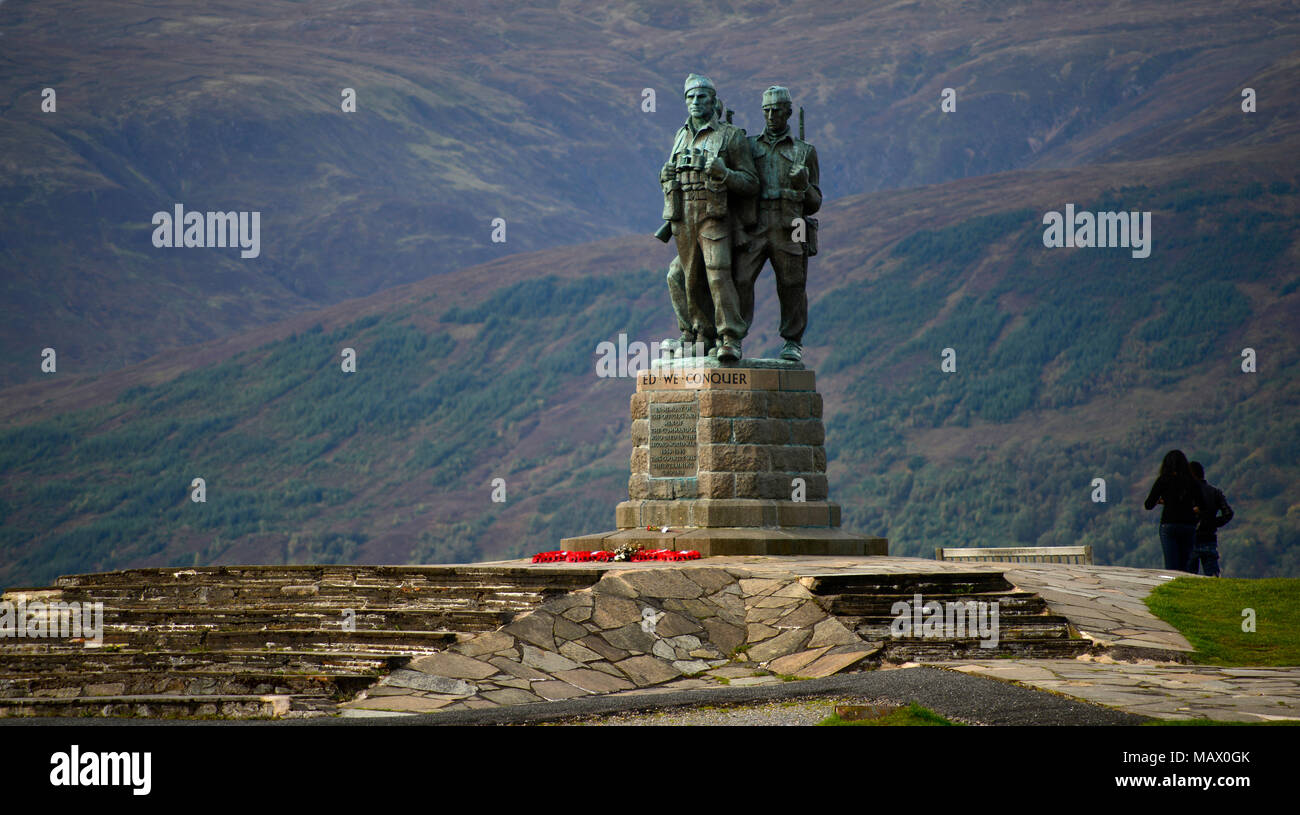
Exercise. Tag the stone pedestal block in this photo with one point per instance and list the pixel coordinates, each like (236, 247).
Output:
(732, 460)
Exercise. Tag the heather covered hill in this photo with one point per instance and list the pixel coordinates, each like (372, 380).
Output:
(1073, 364)
(467, 113)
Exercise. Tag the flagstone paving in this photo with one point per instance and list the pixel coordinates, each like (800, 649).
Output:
(1104, 603)
(1158, 690)
(634, 631)
(646, 628)
(656, 628)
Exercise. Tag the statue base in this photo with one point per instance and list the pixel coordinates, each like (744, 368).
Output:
(729, 460)
(734, 541)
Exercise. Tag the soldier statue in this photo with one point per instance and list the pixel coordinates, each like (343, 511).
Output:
(709, 174)
(789, 192)
(683, 347)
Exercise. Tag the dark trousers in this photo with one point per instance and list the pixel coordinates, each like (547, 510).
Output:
(704, 252)
(677, 294)
(1205, 554)
(790, 267)
(1176, 540)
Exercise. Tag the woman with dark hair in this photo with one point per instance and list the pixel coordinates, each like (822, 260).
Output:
(1184, 504)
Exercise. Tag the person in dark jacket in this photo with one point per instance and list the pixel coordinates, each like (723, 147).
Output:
(1205, 551)
(1184, 505)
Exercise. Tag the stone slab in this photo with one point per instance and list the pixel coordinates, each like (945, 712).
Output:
(791, 663)
(646, 670)
(419, 680)
(554, 690)
(725, 541)
(405, 704)
(454, 666)
(689, 379)
(725, 512)
(594, 681)
(831, 664)
(757, 375)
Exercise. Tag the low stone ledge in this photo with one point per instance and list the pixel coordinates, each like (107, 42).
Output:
(718, 541)
(726, 512)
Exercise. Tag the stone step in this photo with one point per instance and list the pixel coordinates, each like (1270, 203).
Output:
(397, 642)
(98, 660)
(156, 706)
(312, 706)
(203, 598)
(280, 618)
(183, 683)
(145, 595)
(924, 583)
(918, 650)
(1017, 602)
(258, 640)
(310, 589)
(253, 577)
(1009, 628)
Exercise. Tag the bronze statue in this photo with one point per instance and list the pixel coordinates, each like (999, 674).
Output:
(789, 192)
(708, 176)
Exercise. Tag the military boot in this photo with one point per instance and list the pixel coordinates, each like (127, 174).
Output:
(706, 344)
(729, 350)
(684, 346)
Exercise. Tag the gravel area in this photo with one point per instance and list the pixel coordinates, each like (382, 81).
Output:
(784, 713)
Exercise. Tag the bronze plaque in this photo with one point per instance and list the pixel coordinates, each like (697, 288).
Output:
(672, 439)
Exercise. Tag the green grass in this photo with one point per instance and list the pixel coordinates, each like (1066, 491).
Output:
(1209, 613)
(911, 716)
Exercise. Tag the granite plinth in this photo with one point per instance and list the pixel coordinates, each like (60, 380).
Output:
(719, 541)
(724, 512)
(729, 460)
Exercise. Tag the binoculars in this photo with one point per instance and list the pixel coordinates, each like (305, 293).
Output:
(692, 159)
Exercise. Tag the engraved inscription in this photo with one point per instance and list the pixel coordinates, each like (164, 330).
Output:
(672, 439)
(696, 378)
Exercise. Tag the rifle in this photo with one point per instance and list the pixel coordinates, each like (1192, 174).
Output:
(810, 222)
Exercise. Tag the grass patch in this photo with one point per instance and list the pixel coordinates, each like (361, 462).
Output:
(911, 716)
(1209, 613)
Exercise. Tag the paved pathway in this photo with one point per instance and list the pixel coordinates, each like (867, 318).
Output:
(958, 696)
(1162, 691)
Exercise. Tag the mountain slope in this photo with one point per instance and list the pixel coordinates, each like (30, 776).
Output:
(532, 114)
(1073, 364)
